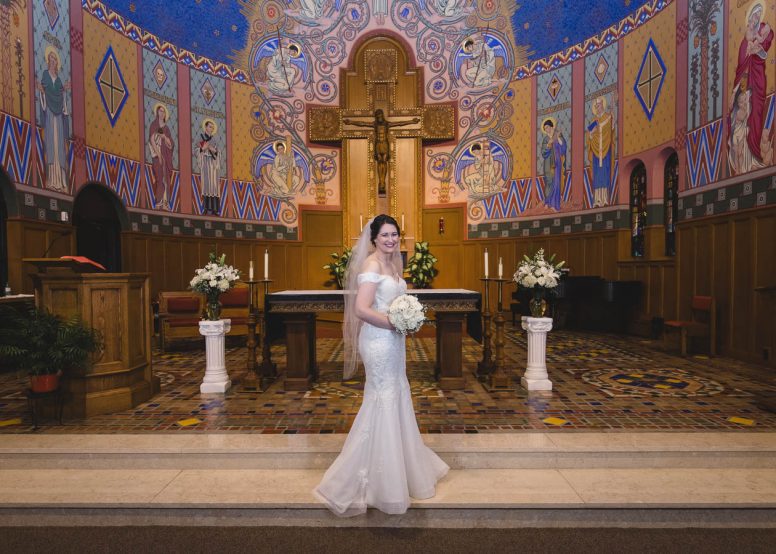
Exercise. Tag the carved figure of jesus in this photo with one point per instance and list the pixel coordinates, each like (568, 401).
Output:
(382, 150)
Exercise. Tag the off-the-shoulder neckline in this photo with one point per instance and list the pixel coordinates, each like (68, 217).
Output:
(397, 280)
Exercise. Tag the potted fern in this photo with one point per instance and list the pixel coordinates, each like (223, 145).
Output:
(47, 345)
(337, 268)
(420, 267)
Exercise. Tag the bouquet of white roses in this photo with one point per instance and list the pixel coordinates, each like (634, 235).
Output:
(215, 278)
(538, 272)
(406, 314)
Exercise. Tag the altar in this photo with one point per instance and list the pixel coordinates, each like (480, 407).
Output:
(454, 309)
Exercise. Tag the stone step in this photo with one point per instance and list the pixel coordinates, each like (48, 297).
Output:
(316, 452)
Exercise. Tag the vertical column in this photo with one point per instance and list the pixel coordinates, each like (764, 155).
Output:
(77, 92)
(184, 138)
(228, 138)
(577, 132)
(536, 377)
(216, 378)
(681, 91)
(141, 125)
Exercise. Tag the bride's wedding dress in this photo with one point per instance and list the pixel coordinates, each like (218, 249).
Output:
(384, 461)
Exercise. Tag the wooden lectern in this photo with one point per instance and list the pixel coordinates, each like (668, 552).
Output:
(119, 306)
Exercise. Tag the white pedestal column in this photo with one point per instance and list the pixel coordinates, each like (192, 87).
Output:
(536, 377)
(216, 379)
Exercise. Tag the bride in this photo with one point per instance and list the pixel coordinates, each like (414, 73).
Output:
(384, 460)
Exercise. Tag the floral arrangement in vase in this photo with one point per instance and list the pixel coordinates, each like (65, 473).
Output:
(540, 276)
(213, 280)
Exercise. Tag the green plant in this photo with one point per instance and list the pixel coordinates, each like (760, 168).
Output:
(44, 343)
(420, 267)
(337, 268)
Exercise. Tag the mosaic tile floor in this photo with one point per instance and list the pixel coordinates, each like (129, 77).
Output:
(601, 382)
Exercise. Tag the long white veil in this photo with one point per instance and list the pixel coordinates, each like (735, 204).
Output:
(352, 324)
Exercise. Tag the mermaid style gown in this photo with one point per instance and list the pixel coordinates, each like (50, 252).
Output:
(384, 460)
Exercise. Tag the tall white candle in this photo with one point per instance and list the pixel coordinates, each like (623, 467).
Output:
(486, 263)
(402, 222)
(500, 268)
(266, 264)
(250, 271)
(360, 222)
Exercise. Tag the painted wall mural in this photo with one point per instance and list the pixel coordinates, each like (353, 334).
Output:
(53, 92)
(750, 114)
(601, 125)
(547, 101)
(160, 115)
(208, 132)
(704, 64)
(553, 130)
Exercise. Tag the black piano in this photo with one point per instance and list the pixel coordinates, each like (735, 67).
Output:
(587, 302)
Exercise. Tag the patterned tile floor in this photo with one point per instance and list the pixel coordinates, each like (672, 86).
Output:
(601, 383)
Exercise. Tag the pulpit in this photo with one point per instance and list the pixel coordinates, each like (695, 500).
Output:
(119, 306)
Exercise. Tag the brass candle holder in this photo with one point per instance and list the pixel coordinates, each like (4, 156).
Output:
(250, 382)
(267, 370)
(486, 366)
(498, 379)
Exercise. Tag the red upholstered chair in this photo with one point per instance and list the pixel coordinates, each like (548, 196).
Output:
(179, 316)
(702, 324)
(234, 305)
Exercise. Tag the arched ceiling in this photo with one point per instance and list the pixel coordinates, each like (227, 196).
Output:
(219, 30)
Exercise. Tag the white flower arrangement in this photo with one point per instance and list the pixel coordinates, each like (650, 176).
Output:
(406, 314)
(215, 278)
(538, 272)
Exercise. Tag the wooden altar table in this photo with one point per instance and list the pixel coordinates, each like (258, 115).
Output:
(453, 308)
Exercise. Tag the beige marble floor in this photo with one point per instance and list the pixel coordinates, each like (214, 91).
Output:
(474, 487)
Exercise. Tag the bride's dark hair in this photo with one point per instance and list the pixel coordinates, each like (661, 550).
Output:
(377, 224)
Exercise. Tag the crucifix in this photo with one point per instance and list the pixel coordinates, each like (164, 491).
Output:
(382, 123)
(380, 137)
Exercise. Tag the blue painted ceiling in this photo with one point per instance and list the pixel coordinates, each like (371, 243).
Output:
(218, 29)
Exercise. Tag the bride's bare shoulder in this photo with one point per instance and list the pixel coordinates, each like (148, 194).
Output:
(371, 265)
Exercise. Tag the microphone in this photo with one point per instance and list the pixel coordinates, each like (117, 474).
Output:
(56, 240)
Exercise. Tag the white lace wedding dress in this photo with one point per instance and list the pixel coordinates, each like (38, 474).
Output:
(384, 461)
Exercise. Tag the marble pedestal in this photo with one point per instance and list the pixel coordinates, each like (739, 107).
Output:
(216, 379)
(536, 377)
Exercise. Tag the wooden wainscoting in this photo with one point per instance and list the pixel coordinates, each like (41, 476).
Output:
(729, 257)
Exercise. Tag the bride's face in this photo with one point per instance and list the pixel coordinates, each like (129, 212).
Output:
(387, 240)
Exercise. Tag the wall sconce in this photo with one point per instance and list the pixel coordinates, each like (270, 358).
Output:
(441, 225)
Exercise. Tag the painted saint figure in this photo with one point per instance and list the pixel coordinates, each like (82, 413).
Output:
(600, 151)
(283, 174)
(451, 8)
(161, 144)
(281, 73)
(554, 156)
(53, 104)
(481, 177)
(750, 85)
(382, 150)
(311, 9)
(481, 66)
(209, 157)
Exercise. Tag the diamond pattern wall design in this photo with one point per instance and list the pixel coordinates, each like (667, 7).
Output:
(649, 79)
(111, 86)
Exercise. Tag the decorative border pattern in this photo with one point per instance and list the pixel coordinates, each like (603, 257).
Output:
(15, 147)
(704, 146)
(122, 175)
(155, 44)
